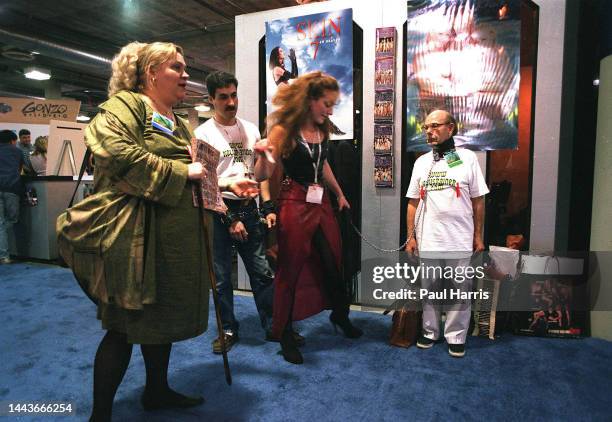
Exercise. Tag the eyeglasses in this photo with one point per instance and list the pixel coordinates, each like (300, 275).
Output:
(433, 126)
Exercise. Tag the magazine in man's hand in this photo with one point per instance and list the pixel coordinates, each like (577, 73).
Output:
(202, 152)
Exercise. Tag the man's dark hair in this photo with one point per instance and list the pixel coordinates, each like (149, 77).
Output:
(7, 136)
(24, 132)
(219, 79)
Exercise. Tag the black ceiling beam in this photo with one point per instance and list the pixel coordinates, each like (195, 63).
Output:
(215, 10)
(19, 21)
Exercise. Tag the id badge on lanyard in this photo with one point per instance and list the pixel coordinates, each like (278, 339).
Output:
(314, 194)
(315, 190)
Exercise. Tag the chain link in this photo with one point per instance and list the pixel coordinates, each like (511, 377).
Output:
(377, 247)
(413, 234)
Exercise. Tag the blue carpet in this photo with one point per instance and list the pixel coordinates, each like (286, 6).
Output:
(50, 334)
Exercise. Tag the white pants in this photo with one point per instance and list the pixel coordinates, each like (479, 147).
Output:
(458, 312)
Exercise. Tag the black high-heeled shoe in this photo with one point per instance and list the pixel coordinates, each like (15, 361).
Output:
(289, 349)
(300, 341)
(349, 330)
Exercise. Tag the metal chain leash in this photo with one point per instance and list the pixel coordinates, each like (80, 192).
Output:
(413, 234)
(377, 247)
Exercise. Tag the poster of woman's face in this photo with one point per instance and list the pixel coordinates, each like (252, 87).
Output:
(464, 56)
(318, 42)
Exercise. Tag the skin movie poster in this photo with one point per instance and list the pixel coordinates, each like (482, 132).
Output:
(318, 42)
(464, 56)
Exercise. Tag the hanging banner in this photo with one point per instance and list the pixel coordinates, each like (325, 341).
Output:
(464, 56)
(318, 42)
(28, 110)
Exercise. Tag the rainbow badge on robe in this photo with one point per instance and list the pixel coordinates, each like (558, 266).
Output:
(161, 122)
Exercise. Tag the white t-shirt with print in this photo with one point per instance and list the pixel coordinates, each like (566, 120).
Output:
(445, 218)
(235, 144)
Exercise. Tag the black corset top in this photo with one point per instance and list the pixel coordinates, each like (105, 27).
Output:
(299, 164)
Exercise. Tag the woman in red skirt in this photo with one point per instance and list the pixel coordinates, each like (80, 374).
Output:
(308, 276)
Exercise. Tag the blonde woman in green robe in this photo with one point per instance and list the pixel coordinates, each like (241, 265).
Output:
(141, 149)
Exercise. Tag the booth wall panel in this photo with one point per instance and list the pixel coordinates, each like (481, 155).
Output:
(547, 126)
(601, 233)
(381, 212)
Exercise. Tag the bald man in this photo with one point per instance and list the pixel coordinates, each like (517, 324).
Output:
(445, 221)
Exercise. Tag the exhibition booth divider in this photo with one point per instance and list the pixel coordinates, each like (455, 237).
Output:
(384, 78)
(46, 196)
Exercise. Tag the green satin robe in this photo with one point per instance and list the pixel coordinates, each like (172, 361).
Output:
(138, 159)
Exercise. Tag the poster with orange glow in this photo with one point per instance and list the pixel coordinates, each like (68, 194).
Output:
(464, 56)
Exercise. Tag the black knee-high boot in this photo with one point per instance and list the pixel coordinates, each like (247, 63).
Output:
(111, 362)
(158, 394)
(341, 319)
(340, 311)
(334, 285)
(289, 346)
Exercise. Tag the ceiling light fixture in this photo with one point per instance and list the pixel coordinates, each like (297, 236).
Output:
(202, 108)
(17, 54)
(37, 73)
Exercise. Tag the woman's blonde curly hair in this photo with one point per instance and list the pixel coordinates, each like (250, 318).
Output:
(40, 146)
(131, 65)
(293, 102)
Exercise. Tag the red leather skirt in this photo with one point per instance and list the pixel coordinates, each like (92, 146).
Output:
(298, 288)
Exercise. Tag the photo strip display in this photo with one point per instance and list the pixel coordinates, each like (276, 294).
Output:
(385, 42)
(383, 106)
(383, 171)
(384, 87)
(383, 139)
(384, 74)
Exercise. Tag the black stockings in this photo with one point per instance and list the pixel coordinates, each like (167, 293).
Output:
(156, 359)
(112, 359)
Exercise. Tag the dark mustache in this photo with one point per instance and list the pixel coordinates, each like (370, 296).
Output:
(230, 108)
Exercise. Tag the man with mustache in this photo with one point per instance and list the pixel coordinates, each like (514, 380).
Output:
(240, 227)
(445, 223)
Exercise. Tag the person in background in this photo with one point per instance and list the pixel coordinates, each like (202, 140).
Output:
(38, 159)
(11, 163)
(25, 146)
